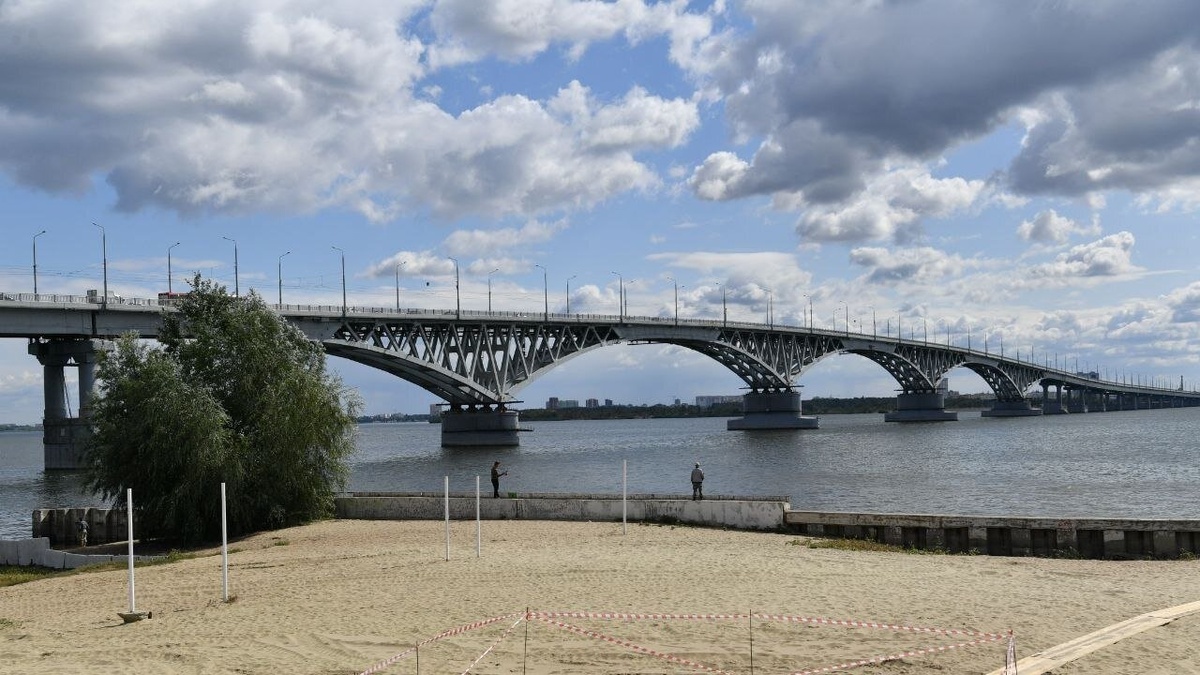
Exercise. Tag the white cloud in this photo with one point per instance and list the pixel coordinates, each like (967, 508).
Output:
(487, 242)
(1107, 257)
(1047, 227)
(923, 264)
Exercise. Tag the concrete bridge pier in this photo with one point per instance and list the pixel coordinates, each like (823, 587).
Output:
(1077, 401)
(64, 438)
(771, 410)
(1022, 408)
(1053, 406)
(921, 406)
(479, 427)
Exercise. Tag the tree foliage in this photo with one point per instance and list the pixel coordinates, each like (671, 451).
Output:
(232, 394)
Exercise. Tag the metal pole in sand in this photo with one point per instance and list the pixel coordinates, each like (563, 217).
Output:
(477, 527)
(624, 482)
(224, 550)
(129, 528)
(447, 502)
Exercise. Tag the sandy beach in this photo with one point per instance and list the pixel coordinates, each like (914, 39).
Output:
(346, 596)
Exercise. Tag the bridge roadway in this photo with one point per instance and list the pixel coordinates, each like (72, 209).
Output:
(479, 361)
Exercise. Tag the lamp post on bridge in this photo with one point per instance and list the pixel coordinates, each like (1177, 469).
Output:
(169, 268)
(620, 297)
(236, 290)
(279, 274)
(724, 306)
(809, 298)
(400, 264)
(457, 297)
(35, 260)
(104, 262)
(843, 302)
(490, 288)
(545, 294)
(343, 253)
(676, 284)
(569, 293)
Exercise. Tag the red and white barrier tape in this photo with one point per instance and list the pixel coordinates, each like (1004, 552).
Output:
(492, 646)
(894, 657)
(384, 664)
(550, 618)
(633, 647)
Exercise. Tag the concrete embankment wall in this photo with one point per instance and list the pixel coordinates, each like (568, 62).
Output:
(59, 525)
(985, 535)
(37, 551)
(738, 513)
(1111, 538)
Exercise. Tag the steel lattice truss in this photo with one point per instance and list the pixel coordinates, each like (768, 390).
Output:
(472, 363)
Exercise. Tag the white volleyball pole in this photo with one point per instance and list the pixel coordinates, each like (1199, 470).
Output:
(447, 481)
(129, 518)
(477, 527)
(624, 483)
(224, 550)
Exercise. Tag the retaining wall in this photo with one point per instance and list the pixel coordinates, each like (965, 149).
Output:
(37, 551)
(58, 525)
(1111, 538)
(763, 513)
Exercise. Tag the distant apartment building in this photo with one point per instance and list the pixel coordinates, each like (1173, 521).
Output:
(556, 403)
(710, 401)
(608, 402)
(593, 403)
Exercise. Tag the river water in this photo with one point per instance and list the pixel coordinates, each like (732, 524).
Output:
(1135, 464)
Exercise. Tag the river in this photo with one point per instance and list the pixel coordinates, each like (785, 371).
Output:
(1134, 464)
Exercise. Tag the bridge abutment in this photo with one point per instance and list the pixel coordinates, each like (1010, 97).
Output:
(1022, 408)
(64, 438)
(923, 406)
(771, 410)
(479, 427)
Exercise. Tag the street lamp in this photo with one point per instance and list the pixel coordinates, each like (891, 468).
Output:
(35, 261)
(545, 293)
(168, 268)
(343, 254)
(676, 283)
(279, 275)
(569, 293)
(810, 311)
(843, 302)
(770, 309)
(724, 307)
(490, 288)
(620, 296)
(236, 290)
(457, 296)
(398, 266)
(104, 262)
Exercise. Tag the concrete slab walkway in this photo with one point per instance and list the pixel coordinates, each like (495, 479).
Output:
(1049, 659)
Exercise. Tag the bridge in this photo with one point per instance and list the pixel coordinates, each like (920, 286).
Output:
(478, 362)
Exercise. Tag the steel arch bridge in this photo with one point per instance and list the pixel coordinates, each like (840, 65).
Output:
(486, 360)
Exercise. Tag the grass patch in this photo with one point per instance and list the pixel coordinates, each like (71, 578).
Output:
(11, 575)
(7, 623)
(279, 541)
(852, 545)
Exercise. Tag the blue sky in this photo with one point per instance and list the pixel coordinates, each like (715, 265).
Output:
(1024, 171)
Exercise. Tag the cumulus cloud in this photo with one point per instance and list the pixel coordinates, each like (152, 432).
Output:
(1047, 227)
(1106, 257)
(838, 91)
(292, 107)
(923, 264)
(892, 205)
(488, 242)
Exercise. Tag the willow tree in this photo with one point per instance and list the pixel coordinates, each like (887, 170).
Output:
(232, 393)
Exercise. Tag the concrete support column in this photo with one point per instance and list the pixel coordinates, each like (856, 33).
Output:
(1053, 406)
(64, 438)
(771, 410)
(1020, 408)
(1077, 400)
(923, 406)
(479, 427)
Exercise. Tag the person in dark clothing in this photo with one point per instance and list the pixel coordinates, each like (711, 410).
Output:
(697, 483)
(496, 473)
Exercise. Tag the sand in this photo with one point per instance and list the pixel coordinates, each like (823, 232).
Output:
(344, 596)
